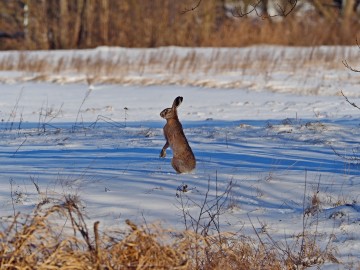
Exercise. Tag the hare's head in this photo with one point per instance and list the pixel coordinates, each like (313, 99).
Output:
(172, 112)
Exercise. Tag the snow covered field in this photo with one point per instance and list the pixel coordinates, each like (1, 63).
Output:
(275, 136)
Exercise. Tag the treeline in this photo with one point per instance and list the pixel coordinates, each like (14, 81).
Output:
(65, 24)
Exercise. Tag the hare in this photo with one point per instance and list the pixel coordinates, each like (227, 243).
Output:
(183, 160)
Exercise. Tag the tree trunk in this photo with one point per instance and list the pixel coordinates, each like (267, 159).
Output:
(347, 9)
(347, 13)
(323, 10)
(64, 24)
(220, 13)
(88, 22)
(75, 40)
(104, 21)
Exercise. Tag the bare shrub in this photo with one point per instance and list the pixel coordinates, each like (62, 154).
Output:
(233, 252)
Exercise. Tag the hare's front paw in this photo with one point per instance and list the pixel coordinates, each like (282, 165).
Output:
(163, 153)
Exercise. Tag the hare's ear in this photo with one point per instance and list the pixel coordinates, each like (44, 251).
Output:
(177, 102)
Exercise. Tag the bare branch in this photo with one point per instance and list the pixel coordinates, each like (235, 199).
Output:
(237, 12)
(354, 159)
(19, 147)
(284, 13)
(348, 101)
(346, 63)
(32, 179)
(186, 10)
(207, 221)
(349, 67)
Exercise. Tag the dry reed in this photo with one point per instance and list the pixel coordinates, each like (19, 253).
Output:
(58, 237)
(44, 241)
(182, 66)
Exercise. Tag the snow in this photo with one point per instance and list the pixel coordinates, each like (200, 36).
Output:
(276, 138)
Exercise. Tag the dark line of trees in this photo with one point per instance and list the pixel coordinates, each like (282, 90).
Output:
(64, 24)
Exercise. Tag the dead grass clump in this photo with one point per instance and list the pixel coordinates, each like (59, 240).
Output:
(58, 237)
(141, 249)
(237, 253)
(40, 242)
(307, 253)
(33, 244)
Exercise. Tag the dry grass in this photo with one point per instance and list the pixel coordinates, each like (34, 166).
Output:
(39, 242)
(143, 66)
(58, 237)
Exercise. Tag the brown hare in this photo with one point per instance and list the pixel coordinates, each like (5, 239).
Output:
(183, 160)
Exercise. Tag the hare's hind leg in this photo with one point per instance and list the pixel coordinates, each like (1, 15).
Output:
(182, 166)
(177, 165)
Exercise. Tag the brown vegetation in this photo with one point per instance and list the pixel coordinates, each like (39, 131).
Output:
(83, 24)
(58, 237)
(138, 66)
(45, 240)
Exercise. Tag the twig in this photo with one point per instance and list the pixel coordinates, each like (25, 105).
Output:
(79, 225)
(348, 101)
(208, 218)
(97, 244)
(186, 10)
(354, 158)
(19, 147)
(125, 114)
(12, 194)
(53, 116)
(35, 184)
(349, 67)
(302, 249)
(106, 120)
(256, 232)
(87, 94)
(237, 12)
(14, 110)
(284, 13)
